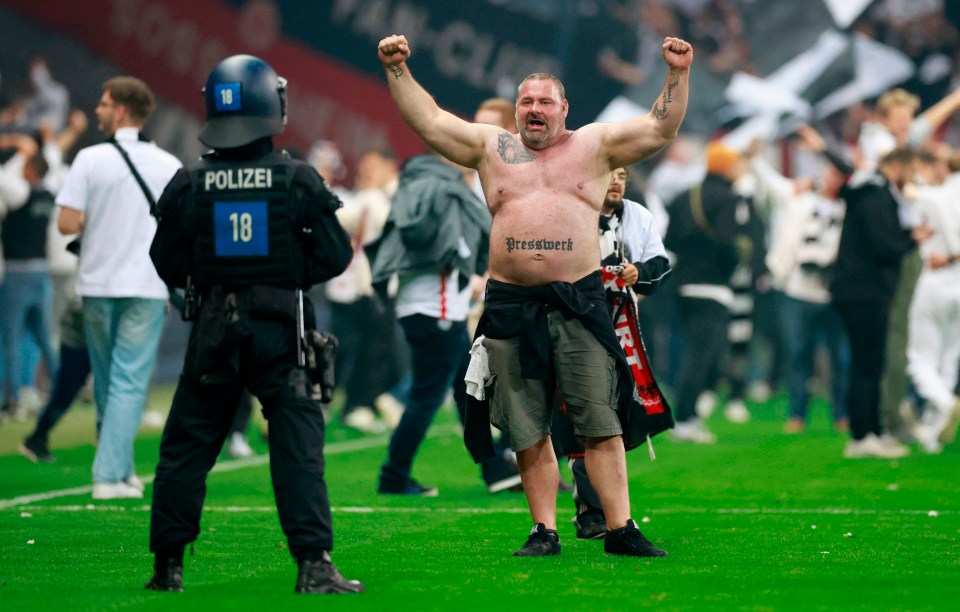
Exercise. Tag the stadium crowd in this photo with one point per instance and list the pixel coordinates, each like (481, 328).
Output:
(820, 260)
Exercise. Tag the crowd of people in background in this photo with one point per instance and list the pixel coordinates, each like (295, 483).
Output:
(823, 262)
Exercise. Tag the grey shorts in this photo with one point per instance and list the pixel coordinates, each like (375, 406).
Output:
(586, 376)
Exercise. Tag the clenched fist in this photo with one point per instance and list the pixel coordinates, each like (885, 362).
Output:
(677, 53)
(393, 50)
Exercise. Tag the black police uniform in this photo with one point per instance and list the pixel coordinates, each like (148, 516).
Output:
(248, 226)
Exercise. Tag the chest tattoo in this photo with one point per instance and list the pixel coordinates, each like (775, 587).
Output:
(512, 152)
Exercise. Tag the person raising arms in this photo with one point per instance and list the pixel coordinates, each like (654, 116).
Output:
(545, 324)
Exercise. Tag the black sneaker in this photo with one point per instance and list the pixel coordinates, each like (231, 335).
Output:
(630, 542)
(542, 542)
(322, 578)
(36, 451)
(591, 525)
(167, 576)
(410, 487)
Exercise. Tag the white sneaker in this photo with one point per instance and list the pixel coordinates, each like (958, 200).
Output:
(153, 419)
(30, 401)
(736, 411)
(134, 482)
(115, 490)
(927, 439)
(391, 409)
(947, 432)
(892, 444)
(706, 404)
(759, 391)
(692, 431)
(239, 448)
(871, 446)
(363, 419)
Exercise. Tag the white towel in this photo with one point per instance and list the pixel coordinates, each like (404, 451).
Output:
(478, 372)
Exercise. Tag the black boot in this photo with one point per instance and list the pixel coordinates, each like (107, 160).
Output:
(321, 577)
(167, 575)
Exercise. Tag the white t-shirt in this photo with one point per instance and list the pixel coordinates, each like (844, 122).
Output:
(118, 229)
(433, 294)
(363, 216)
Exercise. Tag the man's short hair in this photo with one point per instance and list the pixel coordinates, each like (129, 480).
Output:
(539, 76)
(506, 109)
(385, 152)
(895, 98)
(133, 94)
(900, 155)
(38, 164)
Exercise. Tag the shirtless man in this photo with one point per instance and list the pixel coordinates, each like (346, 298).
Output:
(546, 323)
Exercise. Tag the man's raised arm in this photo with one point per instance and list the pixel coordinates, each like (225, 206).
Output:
(454, 138)
(635, 139)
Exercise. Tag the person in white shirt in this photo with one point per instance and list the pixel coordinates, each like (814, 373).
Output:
(897, 123)
(933, 345)
(123, 297)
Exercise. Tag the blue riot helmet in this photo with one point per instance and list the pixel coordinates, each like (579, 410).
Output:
(245, 100)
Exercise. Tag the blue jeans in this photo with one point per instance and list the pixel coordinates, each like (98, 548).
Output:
(436, 354)
(806, 326)
(122, 336)
(26, 302)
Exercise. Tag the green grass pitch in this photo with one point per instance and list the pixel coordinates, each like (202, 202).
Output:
(760, 521)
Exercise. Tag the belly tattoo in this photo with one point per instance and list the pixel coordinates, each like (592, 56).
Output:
(514, 244)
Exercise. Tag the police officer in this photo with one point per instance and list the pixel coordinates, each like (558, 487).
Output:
(245, 230)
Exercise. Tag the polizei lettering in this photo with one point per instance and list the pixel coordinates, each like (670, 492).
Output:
(238, 178)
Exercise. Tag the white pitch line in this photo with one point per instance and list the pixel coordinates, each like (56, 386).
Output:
(518, 510)
(335, 448)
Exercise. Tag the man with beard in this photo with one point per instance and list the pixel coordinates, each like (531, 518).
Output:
(628, 238)
(872, 244)
(545, 325)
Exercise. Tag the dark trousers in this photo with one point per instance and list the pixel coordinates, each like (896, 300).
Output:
(585, 497)
(367, 363)
(866, 324)
(71, 377)
(263, 361)
(437, 351)
(705, 326)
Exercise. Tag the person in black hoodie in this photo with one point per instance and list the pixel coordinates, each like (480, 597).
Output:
(873, 241)
(708, 243)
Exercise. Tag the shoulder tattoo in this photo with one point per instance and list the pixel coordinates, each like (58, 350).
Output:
(511, 151)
